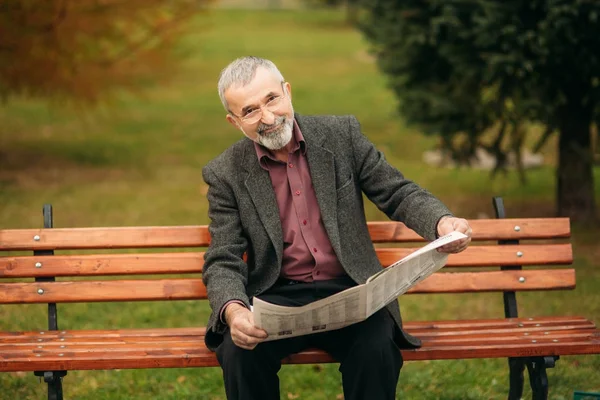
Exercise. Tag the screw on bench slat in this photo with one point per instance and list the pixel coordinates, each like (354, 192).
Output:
(40, 291)
(38, 265)
(36, 238)
(519, 254)
(522, 279)
(517, 228)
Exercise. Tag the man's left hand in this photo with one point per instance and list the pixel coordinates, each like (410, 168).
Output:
(449, 224)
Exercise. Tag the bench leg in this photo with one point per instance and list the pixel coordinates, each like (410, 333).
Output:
(517, 367)
(54, 381)
(537, 376)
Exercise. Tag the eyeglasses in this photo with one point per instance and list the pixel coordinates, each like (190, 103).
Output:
(253, 115)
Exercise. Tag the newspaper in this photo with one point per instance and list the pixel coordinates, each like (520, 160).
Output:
(354, 304)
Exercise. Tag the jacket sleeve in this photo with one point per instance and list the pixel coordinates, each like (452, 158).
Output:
(399, 198)
(225, 273)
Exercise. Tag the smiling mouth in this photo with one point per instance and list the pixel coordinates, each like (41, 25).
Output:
(270, 130)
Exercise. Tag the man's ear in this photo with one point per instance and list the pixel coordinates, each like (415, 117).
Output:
(232, 121)
(288, 89)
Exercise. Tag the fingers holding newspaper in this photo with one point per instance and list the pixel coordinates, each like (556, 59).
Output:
(241, 326)
(449, 224)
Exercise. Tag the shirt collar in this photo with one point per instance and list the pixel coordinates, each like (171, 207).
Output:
(265, 154)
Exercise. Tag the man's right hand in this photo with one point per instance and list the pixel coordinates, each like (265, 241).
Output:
(241, 325)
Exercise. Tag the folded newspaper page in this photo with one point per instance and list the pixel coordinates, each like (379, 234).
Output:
(357, 303)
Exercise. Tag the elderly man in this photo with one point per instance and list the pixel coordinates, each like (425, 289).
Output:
(289, 195)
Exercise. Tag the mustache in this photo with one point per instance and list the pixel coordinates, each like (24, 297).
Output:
(264, 127)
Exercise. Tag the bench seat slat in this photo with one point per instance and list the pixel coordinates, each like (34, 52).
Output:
(151, 354)
(497, 331)
(198, 235)
(496, 323)
(149, 346)
(191, 288)
(189, 263)
(431, 352)
(109, 333)
(467, 333)
(99, 344)
(422, 328)
(165, 333)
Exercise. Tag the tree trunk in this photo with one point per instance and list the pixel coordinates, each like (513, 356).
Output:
(351, 12)
(575, 179)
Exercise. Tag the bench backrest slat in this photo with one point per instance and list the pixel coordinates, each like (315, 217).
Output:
(104, 238)
(101, 264)
(483, 229)
(490, 256)
(495, 281)
(186, 263)
(99, 291)
(198, 236)
(186, 289)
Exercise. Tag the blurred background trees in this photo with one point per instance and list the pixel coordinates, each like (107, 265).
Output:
(477, 71)
(84, 49)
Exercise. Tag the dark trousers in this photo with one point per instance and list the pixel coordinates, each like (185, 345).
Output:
(370, 360)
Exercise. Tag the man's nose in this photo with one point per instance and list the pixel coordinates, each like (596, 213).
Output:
(267, 117)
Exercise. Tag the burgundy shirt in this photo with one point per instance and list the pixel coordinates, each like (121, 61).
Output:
(307, 252)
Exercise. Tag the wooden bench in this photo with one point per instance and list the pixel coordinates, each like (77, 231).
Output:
(532, 343)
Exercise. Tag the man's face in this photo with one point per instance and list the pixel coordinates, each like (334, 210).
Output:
(268, 101)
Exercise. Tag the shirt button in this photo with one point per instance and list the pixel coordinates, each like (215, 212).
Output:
(315, 249)
(297, 193)
(291, 165)
(305, 222)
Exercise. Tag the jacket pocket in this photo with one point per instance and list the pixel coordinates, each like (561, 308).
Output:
(346, 188)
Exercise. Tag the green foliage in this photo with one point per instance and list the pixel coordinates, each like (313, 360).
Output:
(460, 66)
(464, 68)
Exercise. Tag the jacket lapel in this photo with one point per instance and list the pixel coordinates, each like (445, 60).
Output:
(322, 170)
(259, 186)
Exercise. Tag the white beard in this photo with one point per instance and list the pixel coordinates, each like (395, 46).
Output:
(279, 138)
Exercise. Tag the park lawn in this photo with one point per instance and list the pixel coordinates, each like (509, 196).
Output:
(137, 161)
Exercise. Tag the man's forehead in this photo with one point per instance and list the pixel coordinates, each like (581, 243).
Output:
(263, 83)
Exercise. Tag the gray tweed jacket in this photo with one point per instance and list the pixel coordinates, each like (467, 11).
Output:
(244, 215)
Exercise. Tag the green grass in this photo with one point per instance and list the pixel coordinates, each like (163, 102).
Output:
(137, 161)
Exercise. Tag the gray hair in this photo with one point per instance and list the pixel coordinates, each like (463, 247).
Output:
(241, 71)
